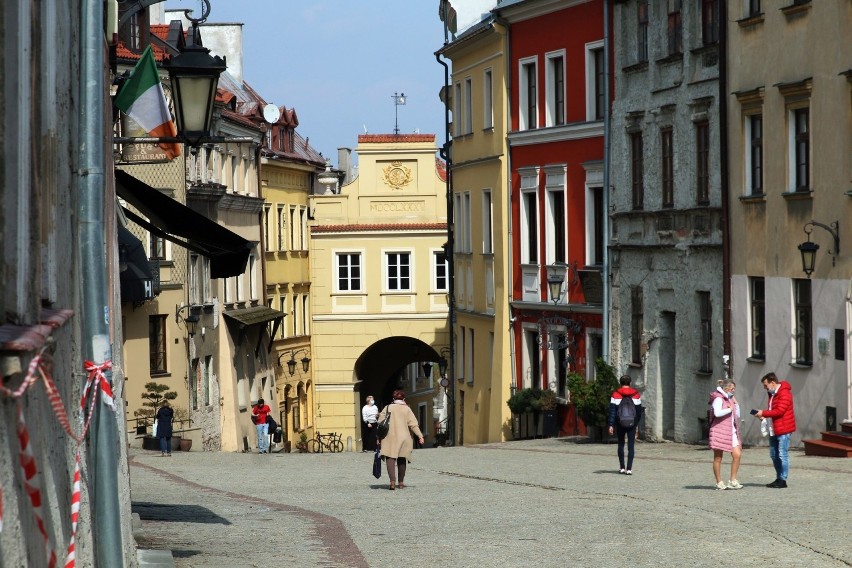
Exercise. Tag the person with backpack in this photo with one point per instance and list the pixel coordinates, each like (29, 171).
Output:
(724, 421)
(625, 411)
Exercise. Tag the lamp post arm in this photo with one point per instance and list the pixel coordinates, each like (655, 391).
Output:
(834, 229)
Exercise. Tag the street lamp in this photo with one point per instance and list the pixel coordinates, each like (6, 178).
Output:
(809, 249)
(398, 99)
(291, 362)
(555, 280)
(194, 76)
(190, 320)
(427, 369)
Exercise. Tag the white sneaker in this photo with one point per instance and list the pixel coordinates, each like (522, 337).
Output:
(622, 470)
(721, 486)
(734, 484)
(628, 472)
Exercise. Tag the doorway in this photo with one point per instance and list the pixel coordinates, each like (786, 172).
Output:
(668, 364)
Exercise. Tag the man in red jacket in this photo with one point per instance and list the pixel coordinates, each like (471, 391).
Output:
(782, 423)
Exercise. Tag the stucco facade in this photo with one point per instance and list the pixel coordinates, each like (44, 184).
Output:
(481, 255)
(379, 284)
(666, 212)
(790, 127)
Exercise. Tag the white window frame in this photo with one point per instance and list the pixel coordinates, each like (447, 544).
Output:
(437, 267)
(468, 105)
(590, 80)
(282, 305)
(205, 279)
(252, 277)
(306, 313)
(594, 183)
(555, 174)
(294, 234)
(268, 227)
(336, 256)
(457, 109)
(523, 93)
(193, 278)
(748, 185)
(488, 99)
(550, 88)
(487, 222)
(239, 287)
(386, 270)
(466, 234)
(281, 224)
(791, 146)
(527, 177)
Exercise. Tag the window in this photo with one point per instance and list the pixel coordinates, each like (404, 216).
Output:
(487, 100)
(529, 220)
(599, 99)
(555, 187)
(710, 21)
(205, 280)
(468, 246)
(157, 344)
(349, 272)
(801, 149)
(268, 227)
(532, 376)
(636, 170)
(642, 30)
(706, 345)
(282, 228)
(754, 154)
(758, 318)
(667, 166)
(487, 223)
(636, 325)
(753, 7)
(596, 234)
(675, 27)
(208, 379)
(702, 162)
(467, 113)
(439, 260)
(135, 32)
(457, 110)
(303, 228)
(235, 173)
(306, 314)
(458, 215)
(555, 78)
(398, 271)
(157, 247)
(252, 274)
(282, 303)
(194, 384)
(194, 277)
(470, 356)
(239, 287)
(528, 112)
(803, 332)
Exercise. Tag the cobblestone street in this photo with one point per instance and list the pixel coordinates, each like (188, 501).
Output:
(531, 503)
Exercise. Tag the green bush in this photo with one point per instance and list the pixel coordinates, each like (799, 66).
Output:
(532, 399)
(591, 398)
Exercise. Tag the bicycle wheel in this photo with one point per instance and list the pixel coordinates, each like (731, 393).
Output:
(314, 447)
(336, 446)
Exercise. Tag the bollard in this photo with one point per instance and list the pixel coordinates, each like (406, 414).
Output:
(348, 443)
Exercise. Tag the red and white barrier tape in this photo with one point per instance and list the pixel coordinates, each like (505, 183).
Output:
(97, 378)
(29, 471)
(71, 558)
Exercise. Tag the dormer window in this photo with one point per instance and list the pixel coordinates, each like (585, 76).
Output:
(135, 40)
(281, 133)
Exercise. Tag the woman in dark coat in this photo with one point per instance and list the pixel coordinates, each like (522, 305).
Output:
(164, 427)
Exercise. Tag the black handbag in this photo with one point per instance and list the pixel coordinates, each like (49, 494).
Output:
(377, 465)
(383, 427)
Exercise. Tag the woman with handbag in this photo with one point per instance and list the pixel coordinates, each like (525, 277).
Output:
(725, 432)
(397, 446)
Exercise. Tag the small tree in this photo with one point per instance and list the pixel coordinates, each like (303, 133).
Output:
(154, 395)
(591, 398)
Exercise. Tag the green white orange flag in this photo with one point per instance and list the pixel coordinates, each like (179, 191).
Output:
(141, 97)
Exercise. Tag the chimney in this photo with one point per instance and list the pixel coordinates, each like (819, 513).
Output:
(344, 164)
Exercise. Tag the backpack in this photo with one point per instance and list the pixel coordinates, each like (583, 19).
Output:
(626, 412)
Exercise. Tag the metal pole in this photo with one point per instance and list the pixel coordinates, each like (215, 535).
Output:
(96, 346)
(607, 300)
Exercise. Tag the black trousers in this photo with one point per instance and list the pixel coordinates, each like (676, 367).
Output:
(630, 434)
(369, 437)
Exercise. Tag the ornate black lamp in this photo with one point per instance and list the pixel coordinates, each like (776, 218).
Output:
(427, 368)
(190, 320)
(809, 249)
(291, 362)
(555, 280)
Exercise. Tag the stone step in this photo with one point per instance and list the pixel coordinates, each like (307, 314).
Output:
(827, 449)
(842, 438)
(846, 427)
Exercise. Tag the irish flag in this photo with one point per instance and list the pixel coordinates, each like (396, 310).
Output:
(141, 97)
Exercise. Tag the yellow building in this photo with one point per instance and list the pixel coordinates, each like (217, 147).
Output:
(482, 268)
(380, 285)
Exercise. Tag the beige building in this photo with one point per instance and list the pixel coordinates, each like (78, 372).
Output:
(380, 285)
(482, 253)
(790, 126)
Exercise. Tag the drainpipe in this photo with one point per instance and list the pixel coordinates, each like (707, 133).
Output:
(723, 171)
(446, 154)
(91, 252)
(607, 300)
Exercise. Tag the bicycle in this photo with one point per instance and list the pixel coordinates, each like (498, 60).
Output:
(323, 442)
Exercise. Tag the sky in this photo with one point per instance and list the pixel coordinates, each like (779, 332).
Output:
(339, 62)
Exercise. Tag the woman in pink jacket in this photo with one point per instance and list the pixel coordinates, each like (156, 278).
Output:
(725, 432)
(397, 445)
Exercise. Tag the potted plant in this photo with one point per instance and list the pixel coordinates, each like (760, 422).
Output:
(154, 395)
(547, 405)
(591, 398)
(302, 444)
(521, 404)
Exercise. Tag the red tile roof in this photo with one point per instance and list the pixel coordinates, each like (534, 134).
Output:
(379, 227)
(159, 30)
(388, 138)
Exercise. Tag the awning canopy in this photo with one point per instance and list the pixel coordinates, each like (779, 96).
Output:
(136, 277)
(256, 315)
(169, 219)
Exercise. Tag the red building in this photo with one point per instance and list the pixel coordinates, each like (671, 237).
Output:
(556, 145)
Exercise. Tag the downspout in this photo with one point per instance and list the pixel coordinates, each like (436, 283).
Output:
(446, 154)
(91, 252)
(723, 170)
(607, 300)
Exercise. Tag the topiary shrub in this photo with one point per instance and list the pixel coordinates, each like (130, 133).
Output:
(591, 398)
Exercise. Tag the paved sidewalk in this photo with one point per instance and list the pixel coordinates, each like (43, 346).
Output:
(535, 503)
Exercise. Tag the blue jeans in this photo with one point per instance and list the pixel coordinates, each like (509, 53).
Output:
(779, 451)
(166, 445)
(263, 437)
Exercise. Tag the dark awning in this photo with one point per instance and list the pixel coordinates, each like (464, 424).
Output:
(256, 315)
(135, 276)
(169, 219)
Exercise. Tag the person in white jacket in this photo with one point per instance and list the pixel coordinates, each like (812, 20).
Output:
(725, 432)
(368, 416)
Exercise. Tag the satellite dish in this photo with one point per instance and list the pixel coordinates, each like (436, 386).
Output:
(271, 113)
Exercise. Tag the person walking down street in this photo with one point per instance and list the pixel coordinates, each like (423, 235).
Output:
(397, 446)
(165, 415)
(725, 432)
(261, 410)
(368, 416)
(624, 421)
(781, 420)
